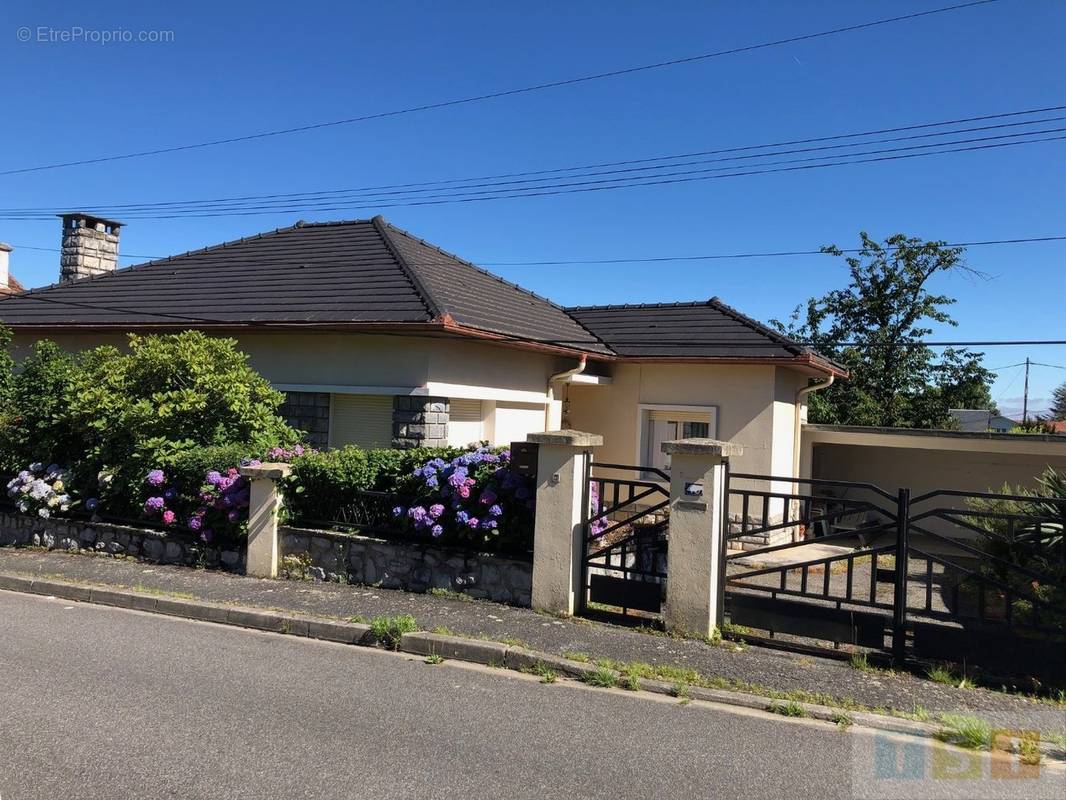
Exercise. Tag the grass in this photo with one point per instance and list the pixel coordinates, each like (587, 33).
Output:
(602, 677)
(1029, 751)
(789, 709)
(451, 594)
(575, 655)
(542, 671)
(969, 732)
(943, 673)
(390, 630)
(860, 661)
(140, 587)
(357, 618)
(434, 658)
(842, 720)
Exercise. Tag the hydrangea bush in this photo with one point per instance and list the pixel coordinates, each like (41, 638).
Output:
(218, 507)
(42, 491)
(475, 499)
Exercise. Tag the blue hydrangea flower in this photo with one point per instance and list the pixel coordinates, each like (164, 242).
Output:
(495, 510)
(436, 530)
(399, 511)
(462, 517)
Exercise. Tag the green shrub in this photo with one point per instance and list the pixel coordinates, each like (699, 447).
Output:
(185, 403)
(324, 482)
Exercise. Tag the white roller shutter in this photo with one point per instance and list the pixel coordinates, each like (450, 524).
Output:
(465, 422)
(361, 419)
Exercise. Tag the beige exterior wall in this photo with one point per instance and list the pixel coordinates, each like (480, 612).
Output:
(512, 383)
(754, 407)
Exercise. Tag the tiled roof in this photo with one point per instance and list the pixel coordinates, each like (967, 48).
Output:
(368, 273)
(13, 286)
(707, 329)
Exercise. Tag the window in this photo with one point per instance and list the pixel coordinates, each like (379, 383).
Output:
(665, 423)
(361, 419)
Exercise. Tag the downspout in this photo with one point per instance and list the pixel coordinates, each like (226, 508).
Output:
(551, 388)
(800, 394)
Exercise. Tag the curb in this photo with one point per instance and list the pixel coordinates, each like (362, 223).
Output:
(456, 648)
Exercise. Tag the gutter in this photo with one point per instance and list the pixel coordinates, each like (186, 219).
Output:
(551, 387)
(796, 430)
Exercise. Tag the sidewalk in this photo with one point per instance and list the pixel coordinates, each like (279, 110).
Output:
(754, 669)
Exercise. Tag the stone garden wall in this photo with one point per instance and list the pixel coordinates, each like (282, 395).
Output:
(321, 555)
(405, 565)
(116, 540)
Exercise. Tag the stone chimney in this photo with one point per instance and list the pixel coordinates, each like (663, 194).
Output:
(5, 267)
(90, 246)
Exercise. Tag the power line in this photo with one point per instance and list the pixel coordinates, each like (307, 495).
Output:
(656, 259)
(590, 186)
(440, 184)
(505, 93)
(489, 190)
(722, 256)
(747, 344)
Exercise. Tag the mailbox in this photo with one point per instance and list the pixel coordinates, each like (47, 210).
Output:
(524, 458)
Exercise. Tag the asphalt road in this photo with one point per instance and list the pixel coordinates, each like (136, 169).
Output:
(105, 703)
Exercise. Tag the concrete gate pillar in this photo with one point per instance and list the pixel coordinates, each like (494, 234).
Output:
(558, 543)
(263, 507)
(697, 525)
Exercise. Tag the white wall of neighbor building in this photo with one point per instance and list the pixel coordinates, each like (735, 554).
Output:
(923, 462)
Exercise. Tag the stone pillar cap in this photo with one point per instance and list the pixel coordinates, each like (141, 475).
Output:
(570, 438)
(702, 447)
(268, 470)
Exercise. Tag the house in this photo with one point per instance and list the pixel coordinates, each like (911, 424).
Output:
(8, 284)
(979, 420)
(379, 338)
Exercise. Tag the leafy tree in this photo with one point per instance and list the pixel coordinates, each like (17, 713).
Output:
(875, 327)
(1058, 403)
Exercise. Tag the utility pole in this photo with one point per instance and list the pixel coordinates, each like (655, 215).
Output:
(1025, 394)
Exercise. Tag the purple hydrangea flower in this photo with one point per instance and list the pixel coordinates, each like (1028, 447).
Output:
(214, 477)
(196, 522)
(399, 511)
(153, 504)
(473, 522)
(432, 482)
(436, 510)
(436, 530)
(488, 524)
(156, 477)
(495, 511)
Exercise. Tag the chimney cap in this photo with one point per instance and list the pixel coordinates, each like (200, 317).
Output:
(5, 247)
(90, 219)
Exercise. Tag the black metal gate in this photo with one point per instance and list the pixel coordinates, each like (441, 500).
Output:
(968, 577)
(625, 534)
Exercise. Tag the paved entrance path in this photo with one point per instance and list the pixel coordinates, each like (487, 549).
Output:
(103, 703)
(773, 669)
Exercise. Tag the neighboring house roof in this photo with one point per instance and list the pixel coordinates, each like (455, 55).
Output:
(368, 274)
(1057, 425)
(979, 419)
(13, 286)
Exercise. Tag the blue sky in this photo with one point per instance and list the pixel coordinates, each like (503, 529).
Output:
(232, 69)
